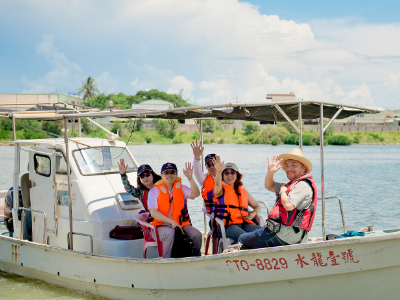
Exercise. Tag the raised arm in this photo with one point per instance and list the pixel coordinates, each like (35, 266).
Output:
(218, 190)
(127, 186)
(273, 167)
(122, 167)
(188, 172)
(197, 149)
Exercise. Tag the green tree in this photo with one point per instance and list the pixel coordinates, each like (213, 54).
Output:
(166, 128)
(208, 126)
(250, 127)
(88, 89)
(125, 101)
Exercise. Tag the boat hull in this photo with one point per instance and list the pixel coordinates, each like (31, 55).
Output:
(357, 268)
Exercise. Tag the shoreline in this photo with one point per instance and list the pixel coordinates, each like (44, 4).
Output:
(162, 143)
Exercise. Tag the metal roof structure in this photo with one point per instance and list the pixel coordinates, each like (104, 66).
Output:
(273, 111)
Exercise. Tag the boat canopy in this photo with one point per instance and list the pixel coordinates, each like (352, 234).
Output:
(271, 111)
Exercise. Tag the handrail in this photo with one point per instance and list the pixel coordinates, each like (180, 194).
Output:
(266, 205)
(341, 209)
(45, 223)
(83, 234)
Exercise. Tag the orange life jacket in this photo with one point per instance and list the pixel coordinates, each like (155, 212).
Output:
(231, 207)
(180, 212)
(207, 193)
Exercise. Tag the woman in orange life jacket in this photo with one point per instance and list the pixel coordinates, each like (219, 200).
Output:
(145, 181)
(206, 181)
(168, 207)
(233, 201)
(291, 218)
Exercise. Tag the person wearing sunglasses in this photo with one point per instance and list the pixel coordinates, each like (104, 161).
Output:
(292, 216)
(233, 201)
(168, 207)
(206, 181)
(146, 178)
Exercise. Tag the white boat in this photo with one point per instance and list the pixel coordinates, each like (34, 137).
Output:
(72, 216)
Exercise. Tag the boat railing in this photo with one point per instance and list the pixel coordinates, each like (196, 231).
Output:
(341, 209)
(266, 206)
(82, 234)
(44, 220)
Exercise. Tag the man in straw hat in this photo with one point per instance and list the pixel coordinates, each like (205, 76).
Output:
(292, 216)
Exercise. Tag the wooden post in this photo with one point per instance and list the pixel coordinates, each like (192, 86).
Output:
(73, 127)
(79, 127)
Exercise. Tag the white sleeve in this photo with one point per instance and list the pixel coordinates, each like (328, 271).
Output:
(198, 173)
(186, 192)
(152, 201)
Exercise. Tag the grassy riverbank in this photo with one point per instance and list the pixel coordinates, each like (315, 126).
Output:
(165, 133)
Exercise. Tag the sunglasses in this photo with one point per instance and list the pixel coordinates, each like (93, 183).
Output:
(169, 172)
(226, 173)
(143, 175)
(209, 164)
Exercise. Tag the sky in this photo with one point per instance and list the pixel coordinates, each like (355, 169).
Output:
(217, 51)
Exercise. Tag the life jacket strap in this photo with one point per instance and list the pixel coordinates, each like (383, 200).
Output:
(232, 206)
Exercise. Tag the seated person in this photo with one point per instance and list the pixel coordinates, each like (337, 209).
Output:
(294, 210)
(206, 181)
(168, 207)
(233, 201)
(145, 181)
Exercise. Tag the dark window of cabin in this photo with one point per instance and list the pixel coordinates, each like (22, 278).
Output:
(61, 163)
(42, 164)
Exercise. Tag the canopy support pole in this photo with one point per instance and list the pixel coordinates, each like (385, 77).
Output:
(333, 119)
(14, 129)
(70, 235)
(321, 143)
(202, 168)
(91, 120)
(300, 121)
(287, 118)
(17, 167)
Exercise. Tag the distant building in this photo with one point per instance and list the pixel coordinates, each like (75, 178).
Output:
(387, 117)
(154, 104)
(281, 97)
(25, 101)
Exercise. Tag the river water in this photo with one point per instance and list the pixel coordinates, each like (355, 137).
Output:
(363, 176)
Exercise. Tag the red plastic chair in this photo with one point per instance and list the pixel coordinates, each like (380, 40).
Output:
(211, 234)
(148, 239)
(220, 244)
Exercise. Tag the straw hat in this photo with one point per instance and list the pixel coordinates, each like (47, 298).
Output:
(297, 155)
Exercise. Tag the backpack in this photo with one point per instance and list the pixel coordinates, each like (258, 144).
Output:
(183, 245)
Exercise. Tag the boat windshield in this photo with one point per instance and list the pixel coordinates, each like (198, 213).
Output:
(102, 160)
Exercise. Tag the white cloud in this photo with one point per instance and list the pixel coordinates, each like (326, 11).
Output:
(150, 77)
(64, 72)
(178, 83)
(393, 81)
(54, 56)
(106, 84)
(216, 50)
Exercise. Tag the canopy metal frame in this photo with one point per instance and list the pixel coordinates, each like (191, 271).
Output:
(235, 111)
